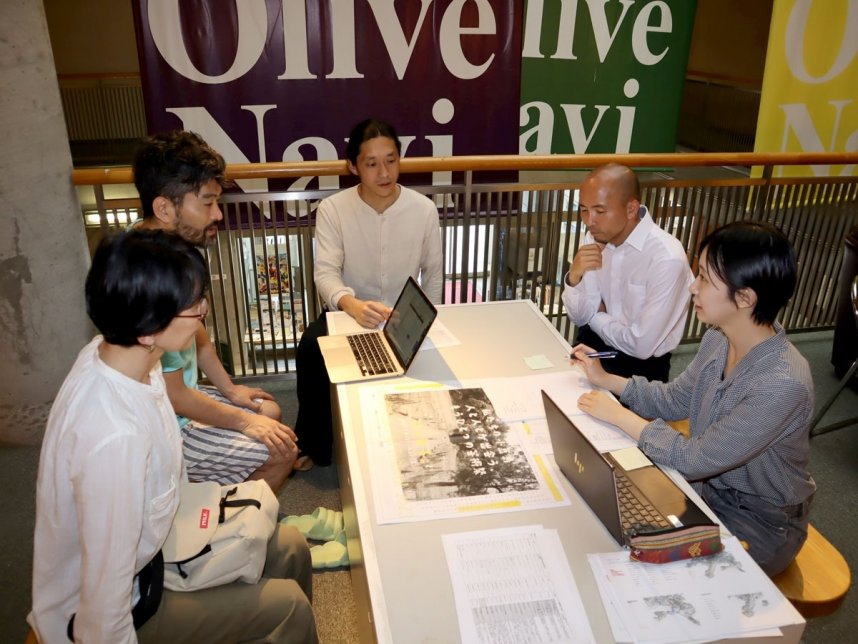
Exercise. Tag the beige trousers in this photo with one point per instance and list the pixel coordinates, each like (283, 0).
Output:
(277, 609)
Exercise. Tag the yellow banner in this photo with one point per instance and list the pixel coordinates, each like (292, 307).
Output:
(809, 101)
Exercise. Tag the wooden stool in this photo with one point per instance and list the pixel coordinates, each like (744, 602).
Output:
(681, 426)
(818, 579)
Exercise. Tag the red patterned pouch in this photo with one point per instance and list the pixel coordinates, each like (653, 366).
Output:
(673, 544)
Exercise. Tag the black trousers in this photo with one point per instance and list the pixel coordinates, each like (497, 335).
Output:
(315, 424)
(655, 368)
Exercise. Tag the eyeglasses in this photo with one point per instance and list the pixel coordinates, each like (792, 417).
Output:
(201, 316)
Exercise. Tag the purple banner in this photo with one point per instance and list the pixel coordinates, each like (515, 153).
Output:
(285, 80)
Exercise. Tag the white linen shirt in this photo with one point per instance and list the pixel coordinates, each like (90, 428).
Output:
(370, 255)
(644, 284)
(107, 490)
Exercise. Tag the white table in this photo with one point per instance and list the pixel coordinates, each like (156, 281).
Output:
(399, 571)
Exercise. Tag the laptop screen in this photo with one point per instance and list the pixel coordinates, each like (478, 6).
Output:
(409, 322)
(587, 470)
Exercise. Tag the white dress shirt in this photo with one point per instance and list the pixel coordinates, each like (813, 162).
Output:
(369, 255)
(107, 490)
(644, 284)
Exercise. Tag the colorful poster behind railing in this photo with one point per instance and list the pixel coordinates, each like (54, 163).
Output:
(809, 101)
(603, 76)
(272, 80)
(285, 80)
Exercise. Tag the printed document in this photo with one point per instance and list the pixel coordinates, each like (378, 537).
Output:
(514, 585)
(443, 452)
(709, 598)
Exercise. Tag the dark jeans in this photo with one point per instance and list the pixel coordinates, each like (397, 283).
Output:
(314, 426)
(655, 368)
(774, 535)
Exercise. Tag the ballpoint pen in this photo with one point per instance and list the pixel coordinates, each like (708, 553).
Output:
(604, 355)
(601, 354)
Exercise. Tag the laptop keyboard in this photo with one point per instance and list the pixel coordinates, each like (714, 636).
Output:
(634, 513)
(370, 354)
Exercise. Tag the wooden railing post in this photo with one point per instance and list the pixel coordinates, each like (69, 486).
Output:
(762, 196)
(467, 207)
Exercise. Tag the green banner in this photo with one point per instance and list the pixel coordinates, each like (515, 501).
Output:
(603, 76)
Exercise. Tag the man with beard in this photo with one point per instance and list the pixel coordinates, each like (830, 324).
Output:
(230, 432)
(627, 287)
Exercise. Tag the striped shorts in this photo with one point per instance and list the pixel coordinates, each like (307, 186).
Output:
(217, 454)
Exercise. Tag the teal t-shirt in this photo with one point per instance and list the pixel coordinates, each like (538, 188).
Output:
(186, 360)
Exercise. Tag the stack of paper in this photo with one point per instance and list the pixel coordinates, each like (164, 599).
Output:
(709, 598)
(515, 585)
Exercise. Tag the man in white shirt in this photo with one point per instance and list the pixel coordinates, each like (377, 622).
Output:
(627, 287)
(369, 240)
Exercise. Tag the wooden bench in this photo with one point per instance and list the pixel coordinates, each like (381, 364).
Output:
(817, 581)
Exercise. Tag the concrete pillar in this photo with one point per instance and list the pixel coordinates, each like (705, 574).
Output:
(43, 252)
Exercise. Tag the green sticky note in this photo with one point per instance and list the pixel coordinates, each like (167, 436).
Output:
(538, 362)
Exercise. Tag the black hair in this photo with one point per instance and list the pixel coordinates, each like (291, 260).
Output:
(172, 164)
(367, 130)
(757, 256)
(139, 281)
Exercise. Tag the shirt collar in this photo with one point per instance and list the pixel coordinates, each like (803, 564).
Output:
(768, 347)
(637, 238)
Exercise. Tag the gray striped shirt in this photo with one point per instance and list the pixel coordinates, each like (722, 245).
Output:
(749, 431)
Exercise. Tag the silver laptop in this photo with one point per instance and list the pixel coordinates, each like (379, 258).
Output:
(627, 502)
(382, 354)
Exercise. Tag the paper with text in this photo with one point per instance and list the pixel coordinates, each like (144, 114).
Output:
(515, 585)
(520, 398)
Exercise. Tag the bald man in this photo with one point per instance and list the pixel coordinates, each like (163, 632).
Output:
(627, 287)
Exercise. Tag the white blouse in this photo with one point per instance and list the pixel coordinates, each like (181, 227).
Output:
(107, 490)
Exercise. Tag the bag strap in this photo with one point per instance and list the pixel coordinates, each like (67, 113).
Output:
(240, 503)
(151, 580)
(202, 552)
(151, 588)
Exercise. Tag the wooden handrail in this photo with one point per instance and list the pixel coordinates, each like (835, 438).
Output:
(116, 175)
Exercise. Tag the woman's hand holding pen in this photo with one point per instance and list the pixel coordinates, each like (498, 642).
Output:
(599, 404)
(596, 403)
(589, 361)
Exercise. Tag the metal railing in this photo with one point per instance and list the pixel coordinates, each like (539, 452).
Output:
(504, 240)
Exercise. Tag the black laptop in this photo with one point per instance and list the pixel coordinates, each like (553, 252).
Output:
(629, 502)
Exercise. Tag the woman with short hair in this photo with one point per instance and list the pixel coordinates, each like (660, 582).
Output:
(111, 467)
(748, 395)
